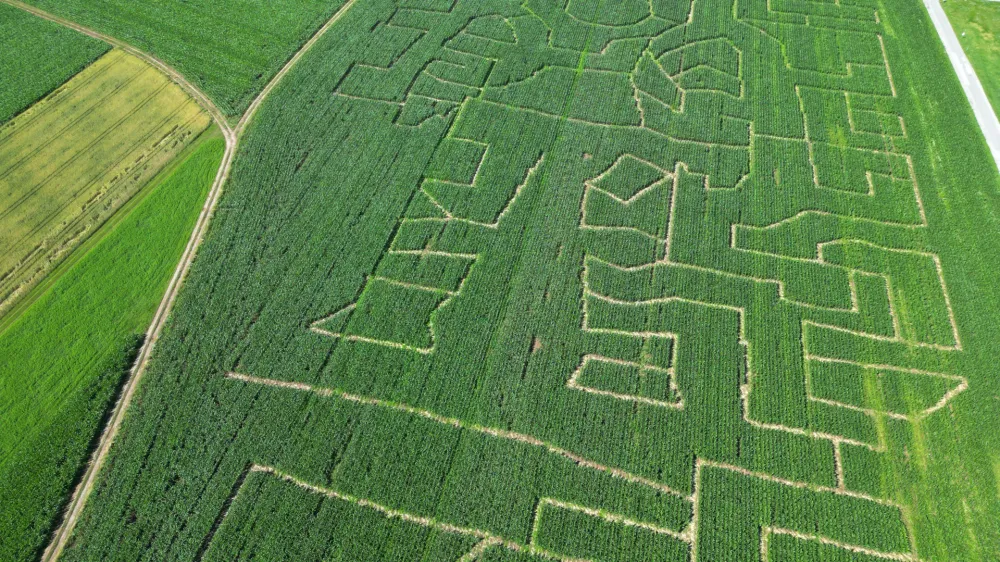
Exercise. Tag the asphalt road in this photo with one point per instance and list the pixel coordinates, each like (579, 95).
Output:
(967, 76)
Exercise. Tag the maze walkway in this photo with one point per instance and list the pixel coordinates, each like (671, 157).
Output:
(749, 249)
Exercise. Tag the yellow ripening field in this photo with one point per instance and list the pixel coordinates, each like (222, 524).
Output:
(74, 158)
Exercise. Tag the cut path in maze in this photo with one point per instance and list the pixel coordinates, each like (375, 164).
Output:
(715, 237)
(689, 534)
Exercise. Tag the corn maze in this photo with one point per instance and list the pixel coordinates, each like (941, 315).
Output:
(571, 280)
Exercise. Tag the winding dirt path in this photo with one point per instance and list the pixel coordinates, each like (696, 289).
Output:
(62, 534)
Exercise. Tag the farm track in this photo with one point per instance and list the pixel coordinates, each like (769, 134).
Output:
(61, 535)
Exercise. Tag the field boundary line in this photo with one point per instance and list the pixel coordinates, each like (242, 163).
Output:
(252, 109)
(75, 256)
(61, 535)
(24, 285)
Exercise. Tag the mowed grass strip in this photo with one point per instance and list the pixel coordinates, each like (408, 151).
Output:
(65, 357)
(73, 159)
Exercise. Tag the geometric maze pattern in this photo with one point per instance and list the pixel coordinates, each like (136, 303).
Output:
(750, 239)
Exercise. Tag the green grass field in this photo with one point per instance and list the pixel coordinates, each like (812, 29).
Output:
(72, 160)
(979, 21)
(229, 48)
(36, 57)
(66, 356)
(644, 280)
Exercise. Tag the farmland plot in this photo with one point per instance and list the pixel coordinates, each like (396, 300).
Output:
(229, 48)
(73, 159)
(67, 355)
(36, 57)
(584, 280)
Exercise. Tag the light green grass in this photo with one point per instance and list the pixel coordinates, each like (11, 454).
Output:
(979, 21)
(71, 160)
(36, 56)
(62, 358)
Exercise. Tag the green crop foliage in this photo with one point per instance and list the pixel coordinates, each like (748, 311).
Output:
(36, 57)
(528, 280)
(66, 356)
(230, 48)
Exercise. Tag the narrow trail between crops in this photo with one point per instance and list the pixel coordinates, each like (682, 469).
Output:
(60, 537)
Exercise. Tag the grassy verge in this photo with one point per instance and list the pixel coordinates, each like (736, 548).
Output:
(67, 354)
(977, 23)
